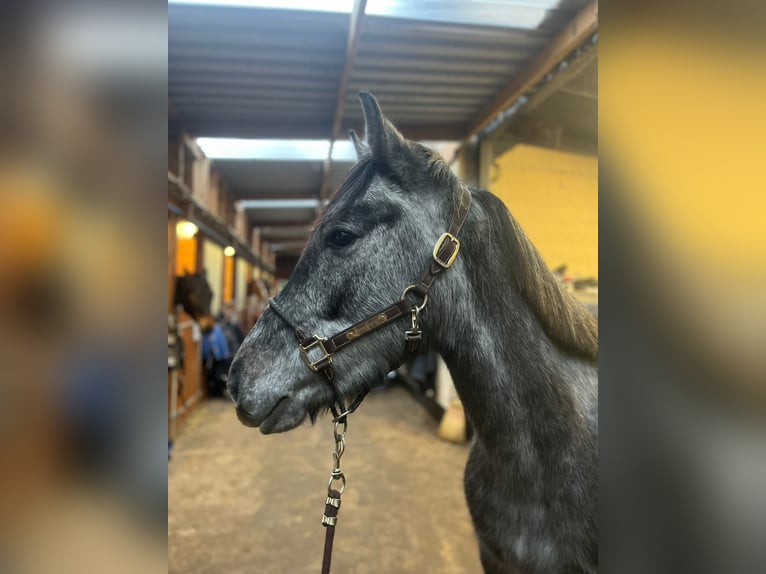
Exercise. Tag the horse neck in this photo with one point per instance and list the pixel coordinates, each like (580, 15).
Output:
(520, 390)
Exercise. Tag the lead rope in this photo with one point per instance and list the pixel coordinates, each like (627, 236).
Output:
(332, 504)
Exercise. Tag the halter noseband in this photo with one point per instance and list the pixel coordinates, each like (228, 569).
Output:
(317, 352)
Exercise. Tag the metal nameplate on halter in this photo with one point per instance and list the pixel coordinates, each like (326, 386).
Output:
(314, 354)
(439, 244)
(367, 326)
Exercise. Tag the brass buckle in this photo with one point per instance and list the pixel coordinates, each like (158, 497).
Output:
(448, 263)
(325, 355)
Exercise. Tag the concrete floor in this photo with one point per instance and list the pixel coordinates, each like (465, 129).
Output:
(241, 502)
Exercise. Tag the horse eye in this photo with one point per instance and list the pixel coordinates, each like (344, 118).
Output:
(341, 238)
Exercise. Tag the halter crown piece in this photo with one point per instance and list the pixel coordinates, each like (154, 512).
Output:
(318, 352)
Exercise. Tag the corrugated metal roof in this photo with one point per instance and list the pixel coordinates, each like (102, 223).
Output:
(258, 70)
(271, 73)
(259, 73)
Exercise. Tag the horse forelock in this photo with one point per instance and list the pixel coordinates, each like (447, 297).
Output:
(564, 319)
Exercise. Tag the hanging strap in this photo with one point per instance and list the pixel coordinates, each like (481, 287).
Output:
(332, 506)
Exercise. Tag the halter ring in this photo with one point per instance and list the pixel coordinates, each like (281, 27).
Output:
(418, 308)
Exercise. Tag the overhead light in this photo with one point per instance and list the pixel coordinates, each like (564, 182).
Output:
(523, 14)
(343, 150)
(324, 6)
(272, 150)
(276, 150)
(229, 251)
(186, 229)
(285, 150)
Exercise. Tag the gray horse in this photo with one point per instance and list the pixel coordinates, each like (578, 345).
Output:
(522, 352)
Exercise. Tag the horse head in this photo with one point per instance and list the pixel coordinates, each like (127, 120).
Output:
(373, 239)
(194, 294)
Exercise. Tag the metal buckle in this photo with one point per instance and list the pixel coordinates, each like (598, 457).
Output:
(448, 263)
(325, 355)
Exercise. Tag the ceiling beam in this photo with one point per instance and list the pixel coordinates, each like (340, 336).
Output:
(588, 95)
(354, 31)
(256, 222)
(245, 194)
(293, 233)
(260, 221)
(268, 228)
(582, 25)
(278, 203)
(577, 66)
(287, 246)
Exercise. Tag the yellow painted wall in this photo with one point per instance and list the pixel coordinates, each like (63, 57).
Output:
(240, 293)
(186, 256)
(228, 279)
(213, 262)
(554, 196)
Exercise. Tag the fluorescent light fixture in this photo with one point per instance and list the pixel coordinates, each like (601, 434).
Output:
(287, 150)
(343, 150)
(271, 150)
(229, 251)
(279, 203)
(186, 229)
(524, 14)
(313, 5)
(276, 150)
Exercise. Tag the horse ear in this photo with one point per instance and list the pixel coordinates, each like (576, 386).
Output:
(361, 148)
(384, 140)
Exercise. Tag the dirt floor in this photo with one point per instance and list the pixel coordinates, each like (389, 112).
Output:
(241, 502)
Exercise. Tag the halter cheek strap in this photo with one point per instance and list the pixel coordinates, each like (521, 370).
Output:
(317, 352)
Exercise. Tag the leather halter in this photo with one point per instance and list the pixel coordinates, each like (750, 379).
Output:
(318, 352)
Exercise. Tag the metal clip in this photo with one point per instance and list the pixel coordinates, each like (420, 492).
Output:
(414, 335)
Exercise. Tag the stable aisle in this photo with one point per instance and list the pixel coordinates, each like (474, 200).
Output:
(241, 502)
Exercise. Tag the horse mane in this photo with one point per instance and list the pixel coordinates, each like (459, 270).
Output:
(564, 319)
